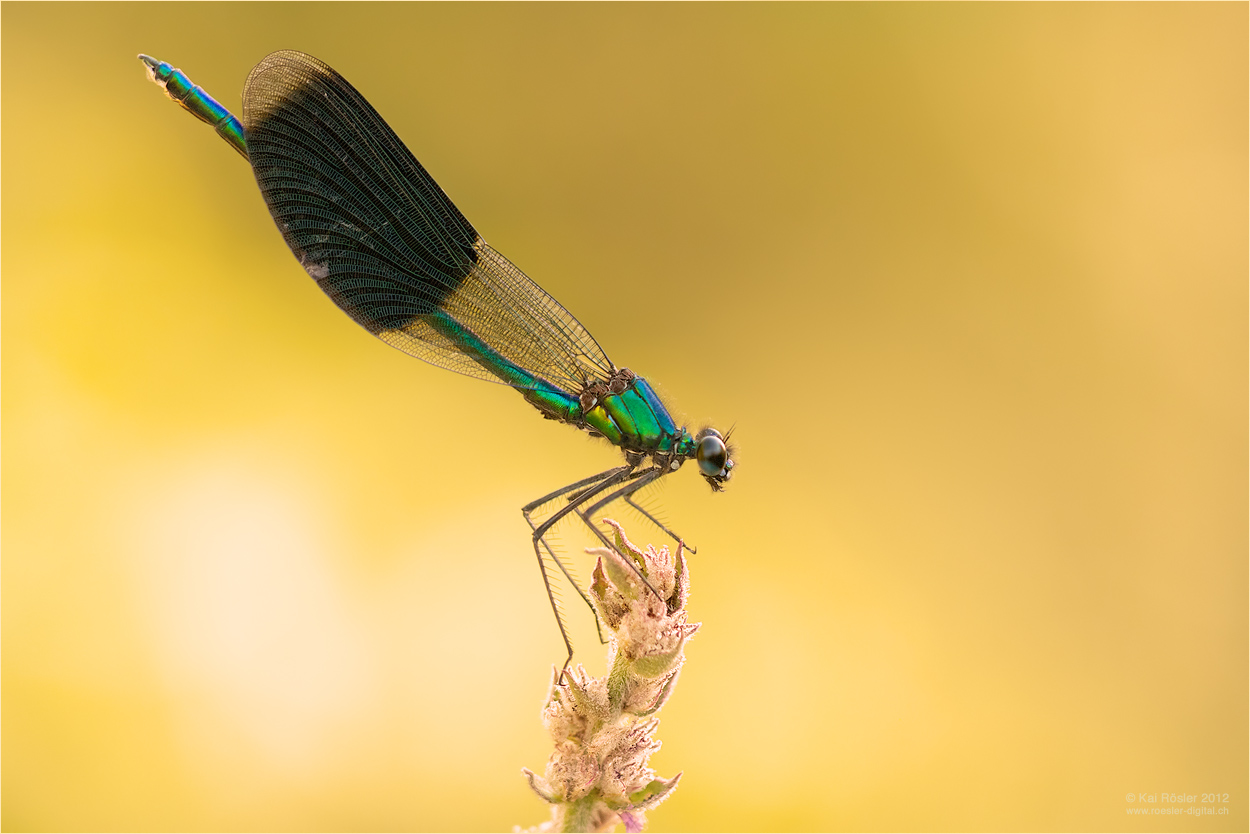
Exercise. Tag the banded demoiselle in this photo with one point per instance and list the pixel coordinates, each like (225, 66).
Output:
(379, 236)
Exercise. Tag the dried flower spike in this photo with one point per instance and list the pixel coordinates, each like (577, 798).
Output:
(603, 728)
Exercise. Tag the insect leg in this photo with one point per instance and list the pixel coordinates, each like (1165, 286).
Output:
(629, 499)
(528, 510)
(603, 481)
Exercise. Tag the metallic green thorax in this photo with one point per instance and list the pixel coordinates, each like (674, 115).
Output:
(634, 419)
(637, 421)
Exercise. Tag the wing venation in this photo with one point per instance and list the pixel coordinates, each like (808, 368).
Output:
(381, 238)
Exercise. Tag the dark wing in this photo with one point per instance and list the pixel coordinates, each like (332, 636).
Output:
(386, 244)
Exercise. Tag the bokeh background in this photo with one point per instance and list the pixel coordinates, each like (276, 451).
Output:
(970, 280)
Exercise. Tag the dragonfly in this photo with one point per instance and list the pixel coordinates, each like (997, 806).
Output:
(383, 241)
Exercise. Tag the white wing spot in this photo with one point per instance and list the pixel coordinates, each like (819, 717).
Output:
(316, 270)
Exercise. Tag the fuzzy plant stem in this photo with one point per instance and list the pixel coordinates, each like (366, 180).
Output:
(603, 728)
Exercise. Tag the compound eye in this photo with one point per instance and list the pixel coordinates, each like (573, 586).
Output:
(711, 455)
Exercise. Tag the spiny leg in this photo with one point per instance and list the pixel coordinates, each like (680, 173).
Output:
(555, 609)
(558, 562)
(641, 479)
(645, 477)
(609, 478)
(606, 480)
(538, 502)
(527, 511)
(629, 499)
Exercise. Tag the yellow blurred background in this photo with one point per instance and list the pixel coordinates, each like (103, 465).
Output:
(970, 280)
